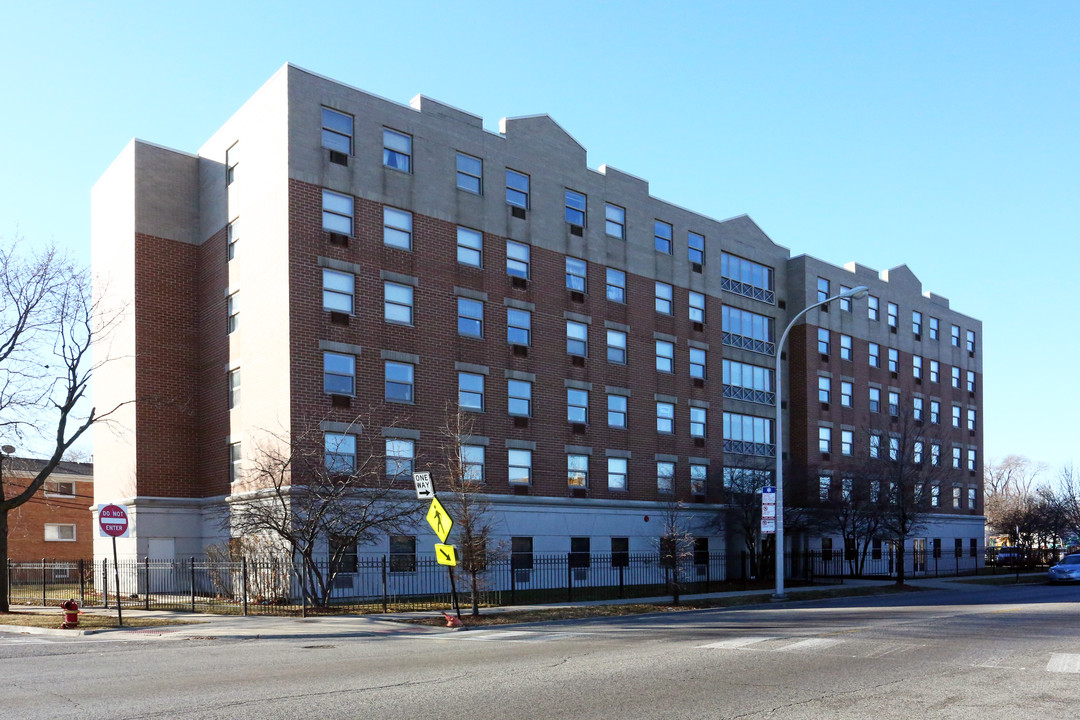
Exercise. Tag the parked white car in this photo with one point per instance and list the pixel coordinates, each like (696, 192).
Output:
(1068, 570)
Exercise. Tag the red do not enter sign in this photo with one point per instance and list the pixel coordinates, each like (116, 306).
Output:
(113, 520)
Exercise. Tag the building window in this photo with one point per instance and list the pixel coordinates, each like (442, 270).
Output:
(59, 532)
(956, 497)
(337, 213)
(956, 454)
(747, 330)
(746, 278)
(615, 221)
(934, 328)
(232, 159)
(845, 302)
(519, 397)
(398, 303)
(872, 310)
(894, 315)
(822, 289)
(397, 228)
(698, 477)
(917, 408)
(875, 495)
(470, 317)
(343, 555)
(471, 391)
(956, 416)
(470, 247)
(665, 356)
(894, 448)
(894, 404)
(824, 435)
(518, 324)
(339, 373)
(916, 367)
(236, 459)
(845, 488)
(616, 285)
(616, 411)
(875, 446)
(697, 307)
(874, 353)
(916, 323)
(847, 392)
(823, 341)
(665, 477)
(824, 491)
(232, 237)
(697, 363)
(918, 452)
(399, 457)
(935, 371)
(517, 260)
(577, 338)
(935, 498)
(845, 347)
(616, 473)
(577, 405)
(521, 553)
(662, 236)
(748, 382)
(472, 463)
(470, 173)
(575, 208)
(971, 459)
(956, 336)
(517, 189)
(971, 341)
(338, 289)
(971, 502)
(232, 307)
(340, 453)
(576, 274)
(935, 412)
(665, 418)
(579, 552)
(824, 389)
(664, 298)
(695, 244)
(337, 131)
(399, 382)
(875, 399)
(520, 466)
(847, 442)
(402, 553)
(616, 346)
(577, 471)
(894, 360)
(397, 150)
(748, 435)
(956, 377)
(234, 388)
(698, 422)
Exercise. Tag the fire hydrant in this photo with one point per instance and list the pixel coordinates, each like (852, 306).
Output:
(71, 614)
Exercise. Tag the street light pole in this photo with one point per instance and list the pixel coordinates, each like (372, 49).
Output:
(855, 294)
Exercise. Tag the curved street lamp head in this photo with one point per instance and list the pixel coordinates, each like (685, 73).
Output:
(856, 293)
(8, 449)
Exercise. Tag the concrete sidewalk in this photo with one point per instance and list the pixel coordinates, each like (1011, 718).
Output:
(205, 625)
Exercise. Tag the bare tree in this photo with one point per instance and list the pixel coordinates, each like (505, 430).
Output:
(1069, 493)
(743, 495)
(857, 517)
(319, 499)
(48, 321)
(676, 545)
(461, 472)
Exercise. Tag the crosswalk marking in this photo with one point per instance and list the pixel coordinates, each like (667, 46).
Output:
(1063, 663)
(738, 642)
(810, 644)
(532, 636)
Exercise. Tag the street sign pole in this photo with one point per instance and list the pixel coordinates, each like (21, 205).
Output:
(453, 591)
(116, 569)
(114, 522)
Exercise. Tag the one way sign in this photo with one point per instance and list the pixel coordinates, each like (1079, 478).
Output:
(424, 489)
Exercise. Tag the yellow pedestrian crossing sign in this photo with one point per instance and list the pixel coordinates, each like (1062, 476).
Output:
(446, 554)
(439, 519)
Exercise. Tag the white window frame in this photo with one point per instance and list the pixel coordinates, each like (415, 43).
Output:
(518, 187)
(616, 285)
(577, 271)
(521, 460)
(338, 291)
(620, 411)
(617, 473)
(54, 532)
(470, 178)
(577, 471)
(405, 381)
(397, 303)
(467, 391)
(577, 405)
(471, 312)
(615, 221)
(697, 307)
(664, 296)
(400, 456)
(397, 228)
(665, 418)
(397, 150)
(517, 260)
(665, 356)
(519, 398)
(577, 339)
(616, 347)
(514, 318)
(339, 368)
(470, 247)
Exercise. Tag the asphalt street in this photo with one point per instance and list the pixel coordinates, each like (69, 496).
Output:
(977, 652)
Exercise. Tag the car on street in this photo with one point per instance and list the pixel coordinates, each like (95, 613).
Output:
(1068, 570)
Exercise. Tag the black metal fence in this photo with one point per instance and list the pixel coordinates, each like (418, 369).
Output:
(402, 583)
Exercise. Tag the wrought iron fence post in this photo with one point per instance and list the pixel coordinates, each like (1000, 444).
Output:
(243, 583)
(43, 582)
(82, 582)
(146, 582)
(191, 565)
(621, 586)
(105, 580)
(385, 589)
(513, 583)
(569, 580)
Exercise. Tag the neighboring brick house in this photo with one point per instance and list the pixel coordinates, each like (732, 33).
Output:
(328, 250)
(56, 524)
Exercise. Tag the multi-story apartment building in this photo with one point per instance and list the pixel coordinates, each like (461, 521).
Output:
(329, 252)
(54, 524)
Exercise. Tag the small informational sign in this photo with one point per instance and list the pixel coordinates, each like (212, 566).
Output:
(424, 488)
(113, 521)
(439, 519)
(768, 510)
(446, 554)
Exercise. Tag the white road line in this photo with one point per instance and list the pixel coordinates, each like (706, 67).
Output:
(738, 642)
(810, 644)
(1063, 663)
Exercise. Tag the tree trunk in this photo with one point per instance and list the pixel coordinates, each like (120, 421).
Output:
(475, 583)
(4, 589)
(900, 564)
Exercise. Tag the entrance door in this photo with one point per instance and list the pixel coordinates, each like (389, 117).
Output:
(918, 562)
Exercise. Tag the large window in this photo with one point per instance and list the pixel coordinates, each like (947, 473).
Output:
(397, 228)
(399, 381)
(615, 221)
(823, 342)
(517, 189)
(616, 285)
(697, 363)
(338, 289)
(697, 307)
(874, 354)
(824, 389)
(337, 131)
(472, 463)
(575, 208)
(665, 477)
(339, 373)
(471, 391)
(665, 418)
(616, 473)
(517, 260)
(397, 150)
(519, 398)
(470, 173)
(748, 330)
(616, 346)
(747, 278)
(402, 553)
(399, 457)
(337, 212)
(664, 298)
(748, 435)
(576, 271)
(748, 382)
(847, 393)
(470, 317)
(398, 305)
(577, 405)
(698, 422)
(616, 411)
(521, 553)
(577, 338)
(519, 466)
(340, 453)
(470, 247)
(662, 235)
(698, 477)
(665, 356)
(875, 399)
(518, 326)
(845, 347)
(577, 471)
(824, 435)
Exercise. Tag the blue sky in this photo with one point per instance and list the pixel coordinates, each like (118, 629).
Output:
(938, 134)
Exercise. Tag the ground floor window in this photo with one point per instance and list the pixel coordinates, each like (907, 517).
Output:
(402, 553)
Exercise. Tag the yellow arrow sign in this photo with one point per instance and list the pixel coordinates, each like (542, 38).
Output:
(446, 554)
(439, 519)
